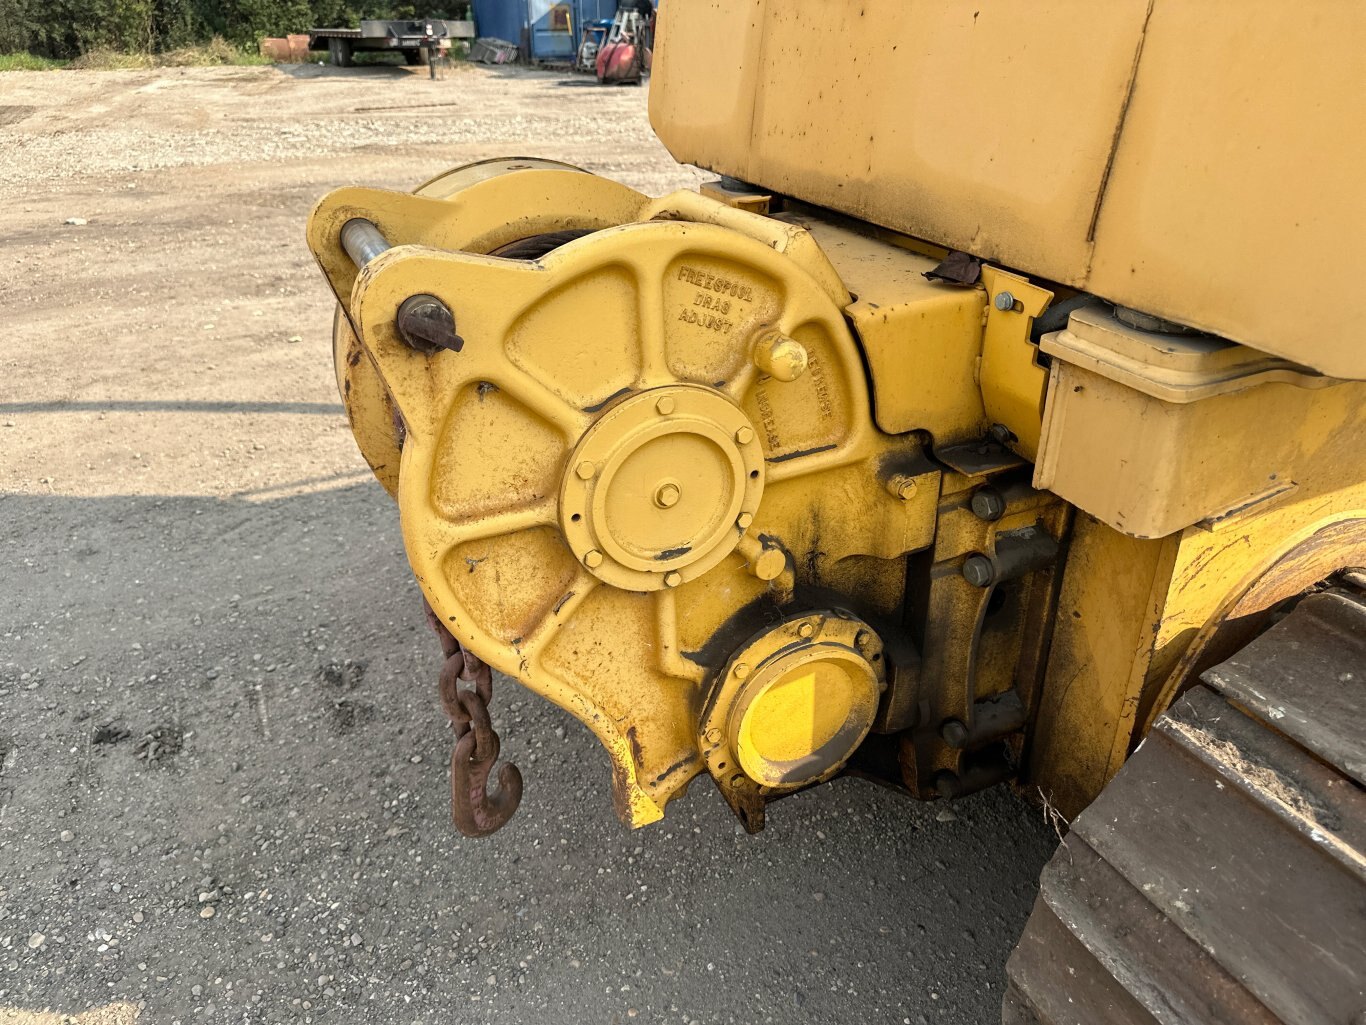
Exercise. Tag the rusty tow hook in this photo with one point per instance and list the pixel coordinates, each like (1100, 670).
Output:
(474, 809)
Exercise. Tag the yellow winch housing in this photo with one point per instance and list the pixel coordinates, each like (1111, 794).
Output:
(771, 490)
(601, 484)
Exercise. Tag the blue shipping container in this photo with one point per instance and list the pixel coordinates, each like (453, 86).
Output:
(550, 28)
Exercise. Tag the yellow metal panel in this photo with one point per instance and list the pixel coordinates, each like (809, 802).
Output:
(942, 358)
(922, 339)
(1012, 380)
(1235, 203)
(717, 44)
(1113, 592)
(1151, 433)
(1195, 161)
(985, 127)
(1130, 608)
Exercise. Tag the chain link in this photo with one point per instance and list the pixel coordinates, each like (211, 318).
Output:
(474, 809)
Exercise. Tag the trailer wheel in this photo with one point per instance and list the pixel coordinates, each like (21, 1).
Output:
(412, 57)
(340, 51)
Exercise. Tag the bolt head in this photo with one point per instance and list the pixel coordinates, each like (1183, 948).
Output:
(744, 435)
(672, 579)
(900, 486)
(987, 504)
(978, 571)
(586, 469)
(744, 520)
(1004, 301)
(954, 733)
(806, 630)
(667, 495)
(741, 670)
(664, 406)
(593, 559)
(713, 736)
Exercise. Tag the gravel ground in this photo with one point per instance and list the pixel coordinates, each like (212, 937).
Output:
(222, 768)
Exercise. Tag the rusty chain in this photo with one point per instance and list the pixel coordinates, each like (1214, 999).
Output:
(475, 810)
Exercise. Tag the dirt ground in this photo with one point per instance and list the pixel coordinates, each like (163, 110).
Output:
(222, 767)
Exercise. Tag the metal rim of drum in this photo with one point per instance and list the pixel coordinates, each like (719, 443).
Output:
(608, 522)
(845, 644)
(382, 448)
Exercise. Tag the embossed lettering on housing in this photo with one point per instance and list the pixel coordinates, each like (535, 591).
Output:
(708, 301)
(709, 282)
(766, 417)
(707, 320)
(817, 371)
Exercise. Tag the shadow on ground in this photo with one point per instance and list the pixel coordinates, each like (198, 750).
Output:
(222, 794)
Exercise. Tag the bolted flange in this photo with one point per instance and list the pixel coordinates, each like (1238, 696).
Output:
(793, 703)
(659, 484)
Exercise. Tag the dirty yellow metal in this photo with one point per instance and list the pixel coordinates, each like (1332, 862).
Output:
(737, 489)
(480, 196)
(588, 524)
(778, 406)
(1012, 379)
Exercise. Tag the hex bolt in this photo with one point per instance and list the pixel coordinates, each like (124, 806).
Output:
(672, 579)
(586, 469)
(713, 736)
(593, 559)
(955, 734)
(664, 406)
(1004, 301)
(741, 670)
(806, 631)
(744, 435)
(901, 486)
(988, 504)
(979, 571)
(744, 520)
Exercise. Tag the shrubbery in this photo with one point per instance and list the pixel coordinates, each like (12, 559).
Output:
(72, 28)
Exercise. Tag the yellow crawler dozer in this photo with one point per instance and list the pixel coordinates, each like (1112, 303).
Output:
(999, 406)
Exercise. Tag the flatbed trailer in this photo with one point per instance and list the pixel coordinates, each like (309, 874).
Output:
(411, 37)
